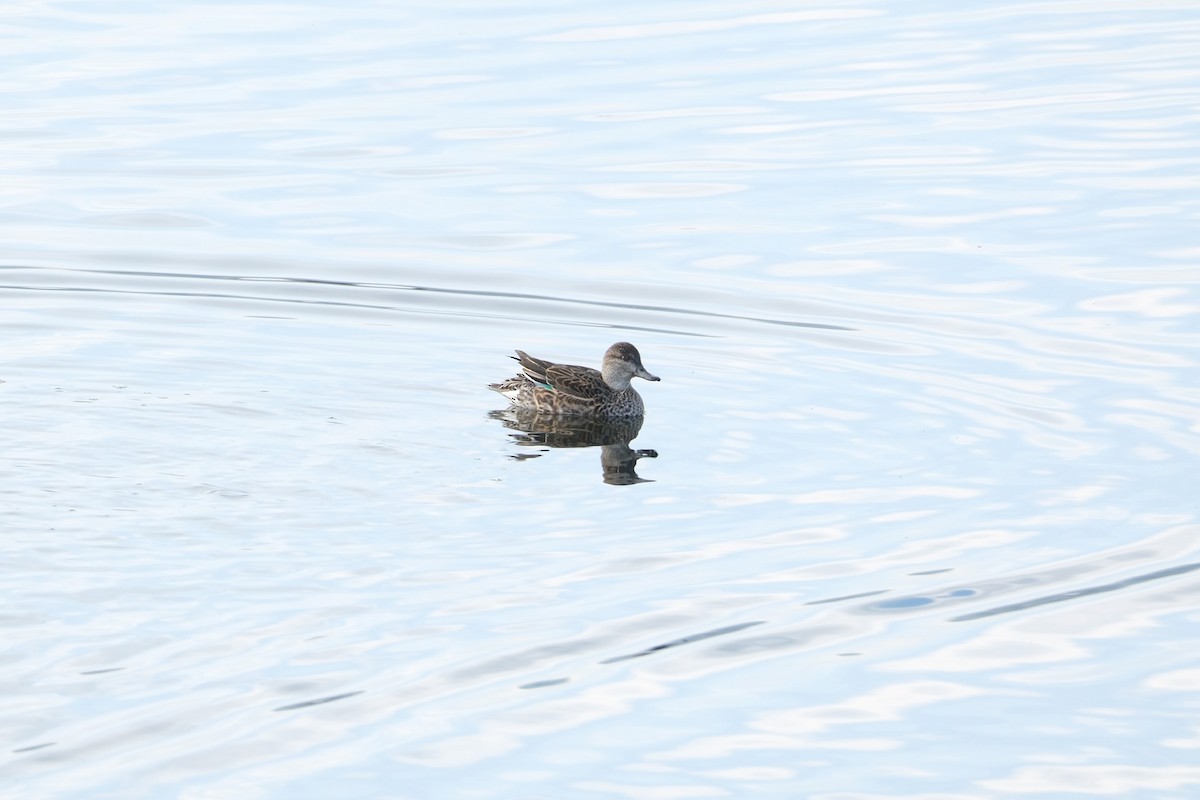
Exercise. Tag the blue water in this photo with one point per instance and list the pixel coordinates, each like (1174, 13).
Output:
(922, 287)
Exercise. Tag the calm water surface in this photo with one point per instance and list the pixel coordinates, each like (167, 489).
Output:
(923, 286)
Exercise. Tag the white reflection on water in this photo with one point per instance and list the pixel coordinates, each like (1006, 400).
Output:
(921, 286)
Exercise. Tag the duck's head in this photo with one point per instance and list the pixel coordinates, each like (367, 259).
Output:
(622, 363)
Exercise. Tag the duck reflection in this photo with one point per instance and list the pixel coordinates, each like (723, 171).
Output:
(617, 459)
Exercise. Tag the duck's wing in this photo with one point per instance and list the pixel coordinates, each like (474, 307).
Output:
(584, 383)
(534, 368)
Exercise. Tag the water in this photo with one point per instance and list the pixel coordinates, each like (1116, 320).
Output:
(921, 284)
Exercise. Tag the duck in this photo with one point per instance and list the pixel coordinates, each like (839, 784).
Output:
(569, 390)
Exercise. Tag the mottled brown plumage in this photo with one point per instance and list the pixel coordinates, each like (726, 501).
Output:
(566, 389)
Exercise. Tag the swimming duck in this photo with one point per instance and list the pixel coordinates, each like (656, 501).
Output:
(579, 391)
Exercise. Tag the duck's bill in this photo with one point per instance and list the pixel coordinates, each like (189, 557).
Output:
(641, 373)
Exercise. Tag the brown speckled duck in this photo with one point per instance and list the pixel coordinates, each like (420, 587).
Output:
(568, 390)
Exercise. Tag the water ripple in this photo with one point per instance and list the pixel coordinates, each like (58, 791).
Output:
(920, 283)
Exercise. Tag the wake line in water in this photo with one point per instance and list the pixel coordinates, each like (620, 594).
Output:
(413, 288)
(695, 637)
(1077, 593)
(349, 304)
